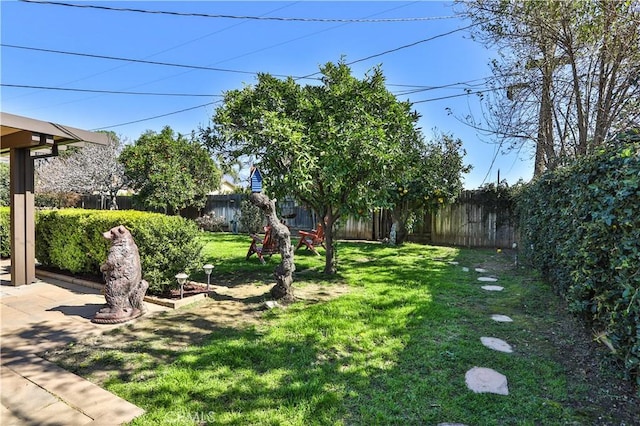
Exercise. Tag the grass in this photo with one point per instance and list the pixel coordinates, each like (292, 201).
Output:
(394, 350)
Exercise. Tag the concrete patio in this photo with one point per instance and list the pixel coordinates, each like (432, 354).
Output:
(39, 317)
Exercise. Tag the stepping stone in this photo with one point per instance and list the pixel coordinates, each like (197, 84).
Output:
(464, 269)
(486, 380)
(488, 279)
(501, 318)
(492, 288)
(496, 344)
(481, 270)
(451, 424)
(453, 263)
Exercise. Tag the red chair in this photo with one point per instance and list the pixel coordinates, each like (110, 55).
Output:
(263, 246)
(312, 239)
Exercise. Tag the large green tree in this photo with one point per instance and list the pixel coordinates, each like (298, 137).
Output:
(332, 146)
(427, 179)
(566, 78)
(169, 172)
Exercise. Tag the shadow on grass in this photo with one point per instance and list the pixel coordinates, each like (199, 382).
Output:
(394, 351)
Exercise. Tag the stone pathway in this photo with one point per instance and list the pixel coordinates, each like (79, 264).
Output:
(483, 379)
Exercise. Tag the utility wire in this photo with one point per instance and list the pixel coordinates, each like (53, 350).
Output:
(412, 44)
(139, 61)
(468, 93)
(257, 18)
(386, 52)
(154, 117)
(111, 92)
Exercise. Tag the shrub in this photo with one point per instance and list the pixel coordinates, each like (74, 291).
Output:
(4, 185)
(210, 222)
(5, 232)
(250, 217)
(72, 240)
(56, 200)
(580, 226)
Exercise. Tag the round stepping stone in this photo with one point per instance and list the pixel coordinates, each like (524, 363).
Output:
(465, 269)
(487, 279)
(492, 288)
(501, 318)
(481, 270)
(486, 380)
(496, 344)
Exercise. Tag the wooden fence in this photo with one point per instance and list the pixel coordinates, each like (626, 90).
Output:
(471, 224)
(466, 223)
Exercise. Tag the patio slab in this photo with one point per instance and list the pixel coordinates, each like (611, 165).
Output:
(39, 317)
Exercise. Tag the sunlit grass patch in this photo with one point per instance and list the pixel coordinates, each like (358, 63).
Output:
(393, 349)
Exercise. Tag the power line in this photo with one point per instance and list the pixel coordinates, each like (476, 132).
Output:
(413, 44)
(401, 47)
(257, 18)
(110, 92)
(139, 61)
(418, 88)
(468, 93)
(154, 117)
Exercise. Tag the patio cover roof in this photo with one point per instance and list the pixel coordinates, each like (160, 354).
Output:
(41, 136)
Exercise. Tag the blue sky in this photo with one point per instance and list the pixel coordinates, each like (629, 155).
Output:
(242, 47)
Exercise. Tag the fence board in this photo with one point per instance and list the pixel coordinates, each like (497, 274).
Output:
(464, 223)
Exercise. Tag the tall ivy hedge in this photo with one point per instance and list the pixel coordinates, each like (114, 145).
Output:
(580, 226)
(71, 240)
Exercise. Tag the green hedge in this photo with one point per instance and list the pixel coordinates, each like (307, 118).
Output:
(72, 240)
(580, 226)
(5, 239)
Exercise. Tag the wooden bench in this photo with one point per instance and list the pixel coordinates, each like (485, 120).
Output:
(312, 239)
(263, 246)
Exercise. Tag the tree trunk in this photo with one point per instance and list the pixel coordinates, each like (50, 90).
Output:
(283, 290)
(330, 254)
(399, 224)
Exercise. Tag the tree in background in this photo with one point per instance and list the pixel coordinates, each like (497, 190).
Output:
(89, 169)
(169, 172)
(331, 146)
(427, 179)
(568, 75)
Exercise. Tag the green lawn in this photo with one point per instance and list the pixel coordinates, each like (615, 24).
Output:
(394, 350)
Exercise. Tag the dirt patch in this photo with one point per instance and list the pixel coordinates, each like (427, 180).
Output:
(588, 365)
(134, 349)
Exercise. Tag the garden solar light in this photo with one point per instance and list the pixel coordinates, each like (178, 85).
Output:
(208, 268)
(182, 278)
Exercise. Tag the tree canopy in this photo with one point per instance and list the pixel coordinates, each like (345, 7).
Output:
(169, 172)
(425, 180)
(333, 146)
(566, 79)
(90, 169)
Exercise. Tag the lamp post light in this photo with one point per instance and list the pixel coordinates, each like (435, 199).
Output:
(207, 270)
(182, 278)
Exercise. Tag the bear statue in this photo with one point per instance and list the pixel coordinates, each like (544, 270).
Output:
(124, 289)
